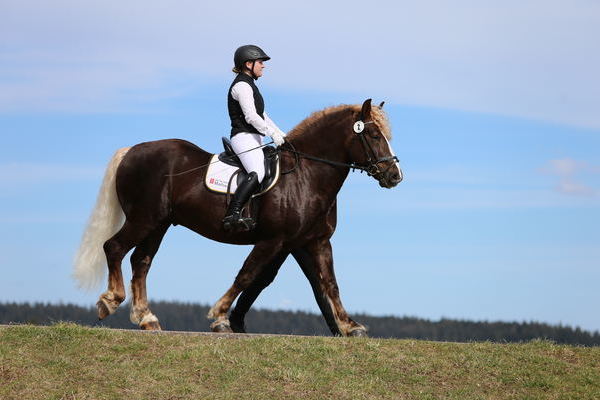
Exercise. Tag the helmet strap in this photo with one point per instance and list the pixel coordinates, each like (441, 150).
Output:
(251, 70)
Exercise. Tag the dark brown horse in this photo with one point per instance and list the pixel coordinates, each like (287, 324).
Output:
(144, 184)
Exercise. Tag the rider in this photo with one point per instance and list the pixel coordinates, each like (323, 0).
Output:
(249, 122)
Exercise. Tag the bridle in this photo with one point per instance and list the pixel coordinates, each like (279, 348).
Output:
(371, 166)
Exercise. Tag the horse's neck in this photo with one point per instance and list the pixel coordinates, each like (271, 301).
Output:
(328, 143)
(327, 140)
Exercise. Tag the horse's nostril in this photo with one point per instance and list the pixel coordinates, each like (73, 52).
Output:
(395, 178)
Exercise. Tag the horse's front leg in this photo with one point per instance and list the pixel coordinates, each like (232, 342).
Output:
(316, 261)
(262, 255)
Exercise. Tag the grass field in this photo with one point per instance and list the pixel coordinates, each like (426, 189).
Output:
(67, 361)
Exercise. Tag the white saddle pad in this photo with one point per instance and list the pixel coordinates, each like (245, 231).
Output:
(219, 174)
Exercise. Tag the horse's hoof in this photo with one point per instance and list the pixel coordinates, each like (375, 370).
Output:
(237, 326)
(103, 310)
(221, 327)
(150, 326)
(358, 333)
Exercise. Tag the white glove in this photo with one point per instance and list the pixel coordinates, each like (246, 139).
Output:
(278, 138)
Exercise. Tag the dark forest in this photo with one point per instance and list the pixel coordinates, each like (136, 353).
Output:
(192, 317)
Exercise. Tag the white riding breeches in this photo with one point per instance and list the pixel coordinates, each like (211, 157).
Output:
(254, 160)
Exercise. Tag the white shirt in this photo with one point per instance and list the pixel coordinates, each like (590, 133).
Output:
(243, 94)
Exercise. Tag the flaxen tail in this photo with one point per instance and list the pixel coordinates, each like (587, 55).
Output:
(106, 220)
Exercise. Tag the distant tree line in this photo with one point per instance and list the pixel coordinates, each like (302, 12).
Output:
(192, 317)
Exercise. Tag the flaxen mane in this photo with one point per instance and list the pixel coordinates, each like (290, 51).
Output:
(316, 118)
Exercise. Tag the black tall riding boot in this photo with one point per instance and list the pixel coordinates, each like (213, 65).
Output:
(234, 220)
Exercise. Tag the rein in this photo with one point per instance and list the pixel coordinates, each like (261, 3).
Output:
(298, 154)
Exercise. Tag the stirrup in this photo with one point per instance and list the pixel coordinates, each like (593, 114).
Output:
(247, 224)
(238, 223)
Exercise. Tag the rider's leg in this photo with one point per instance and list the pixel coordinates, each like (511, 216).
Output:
(253, 162)
(244, 191)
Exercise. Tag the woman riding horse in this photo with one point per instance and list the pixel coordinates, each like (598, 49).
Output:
(153, 185)
(249, 122)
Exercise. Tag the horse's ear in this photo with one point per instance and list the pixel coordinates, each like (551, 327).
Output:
(366, 110)
(381, 104)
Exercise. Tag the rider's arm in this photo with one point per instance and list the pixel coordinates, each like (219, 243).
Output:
(270, 122)
(242, 92)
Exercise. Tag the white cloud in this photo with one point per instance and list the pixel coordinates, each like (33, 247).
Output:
(535, 59)
(568, 186)
(569, 171)
(565, 167)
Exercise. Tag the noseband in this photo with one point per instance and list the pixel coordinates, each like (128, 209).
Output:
(370, 167)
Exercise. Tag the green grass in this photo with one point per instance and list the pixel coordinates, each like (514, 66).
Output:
(68, 361)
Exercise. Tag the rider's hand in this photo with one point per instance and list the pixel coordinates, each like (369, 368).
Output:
(278, 138)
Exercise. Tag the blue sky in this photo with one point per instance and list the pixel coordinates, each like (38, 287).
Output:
(493, 108)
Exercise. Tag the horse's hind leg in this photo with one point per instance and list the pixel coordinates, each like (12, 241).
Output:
(115, 249)
(141, 259)
(249, 295)
(263, 254)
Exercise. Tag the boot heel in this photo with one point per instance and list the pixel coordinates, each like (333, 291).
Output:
(234, 220)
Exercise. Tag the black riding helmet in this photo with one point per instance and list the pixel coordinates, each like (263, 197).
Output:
(245, 53)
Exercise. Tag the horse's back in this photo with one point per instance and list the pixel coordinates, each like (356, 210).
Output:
(168, 148)
(161, 154)
(145, 176)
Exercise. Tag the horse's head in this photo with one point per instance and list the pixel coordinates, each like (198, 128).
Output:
(370, 148)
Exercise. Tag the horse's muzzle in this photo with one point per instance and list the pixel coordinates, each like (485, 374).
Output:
(390, 180)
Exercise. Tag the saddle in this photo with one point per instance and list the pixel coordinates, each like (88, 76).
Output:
(226, 170)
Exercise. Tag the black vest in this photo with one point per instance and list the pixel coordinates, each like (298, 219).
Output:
(238, 122)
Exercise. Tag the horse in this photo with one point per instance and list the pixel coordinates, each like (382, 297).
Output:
(152, 185)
